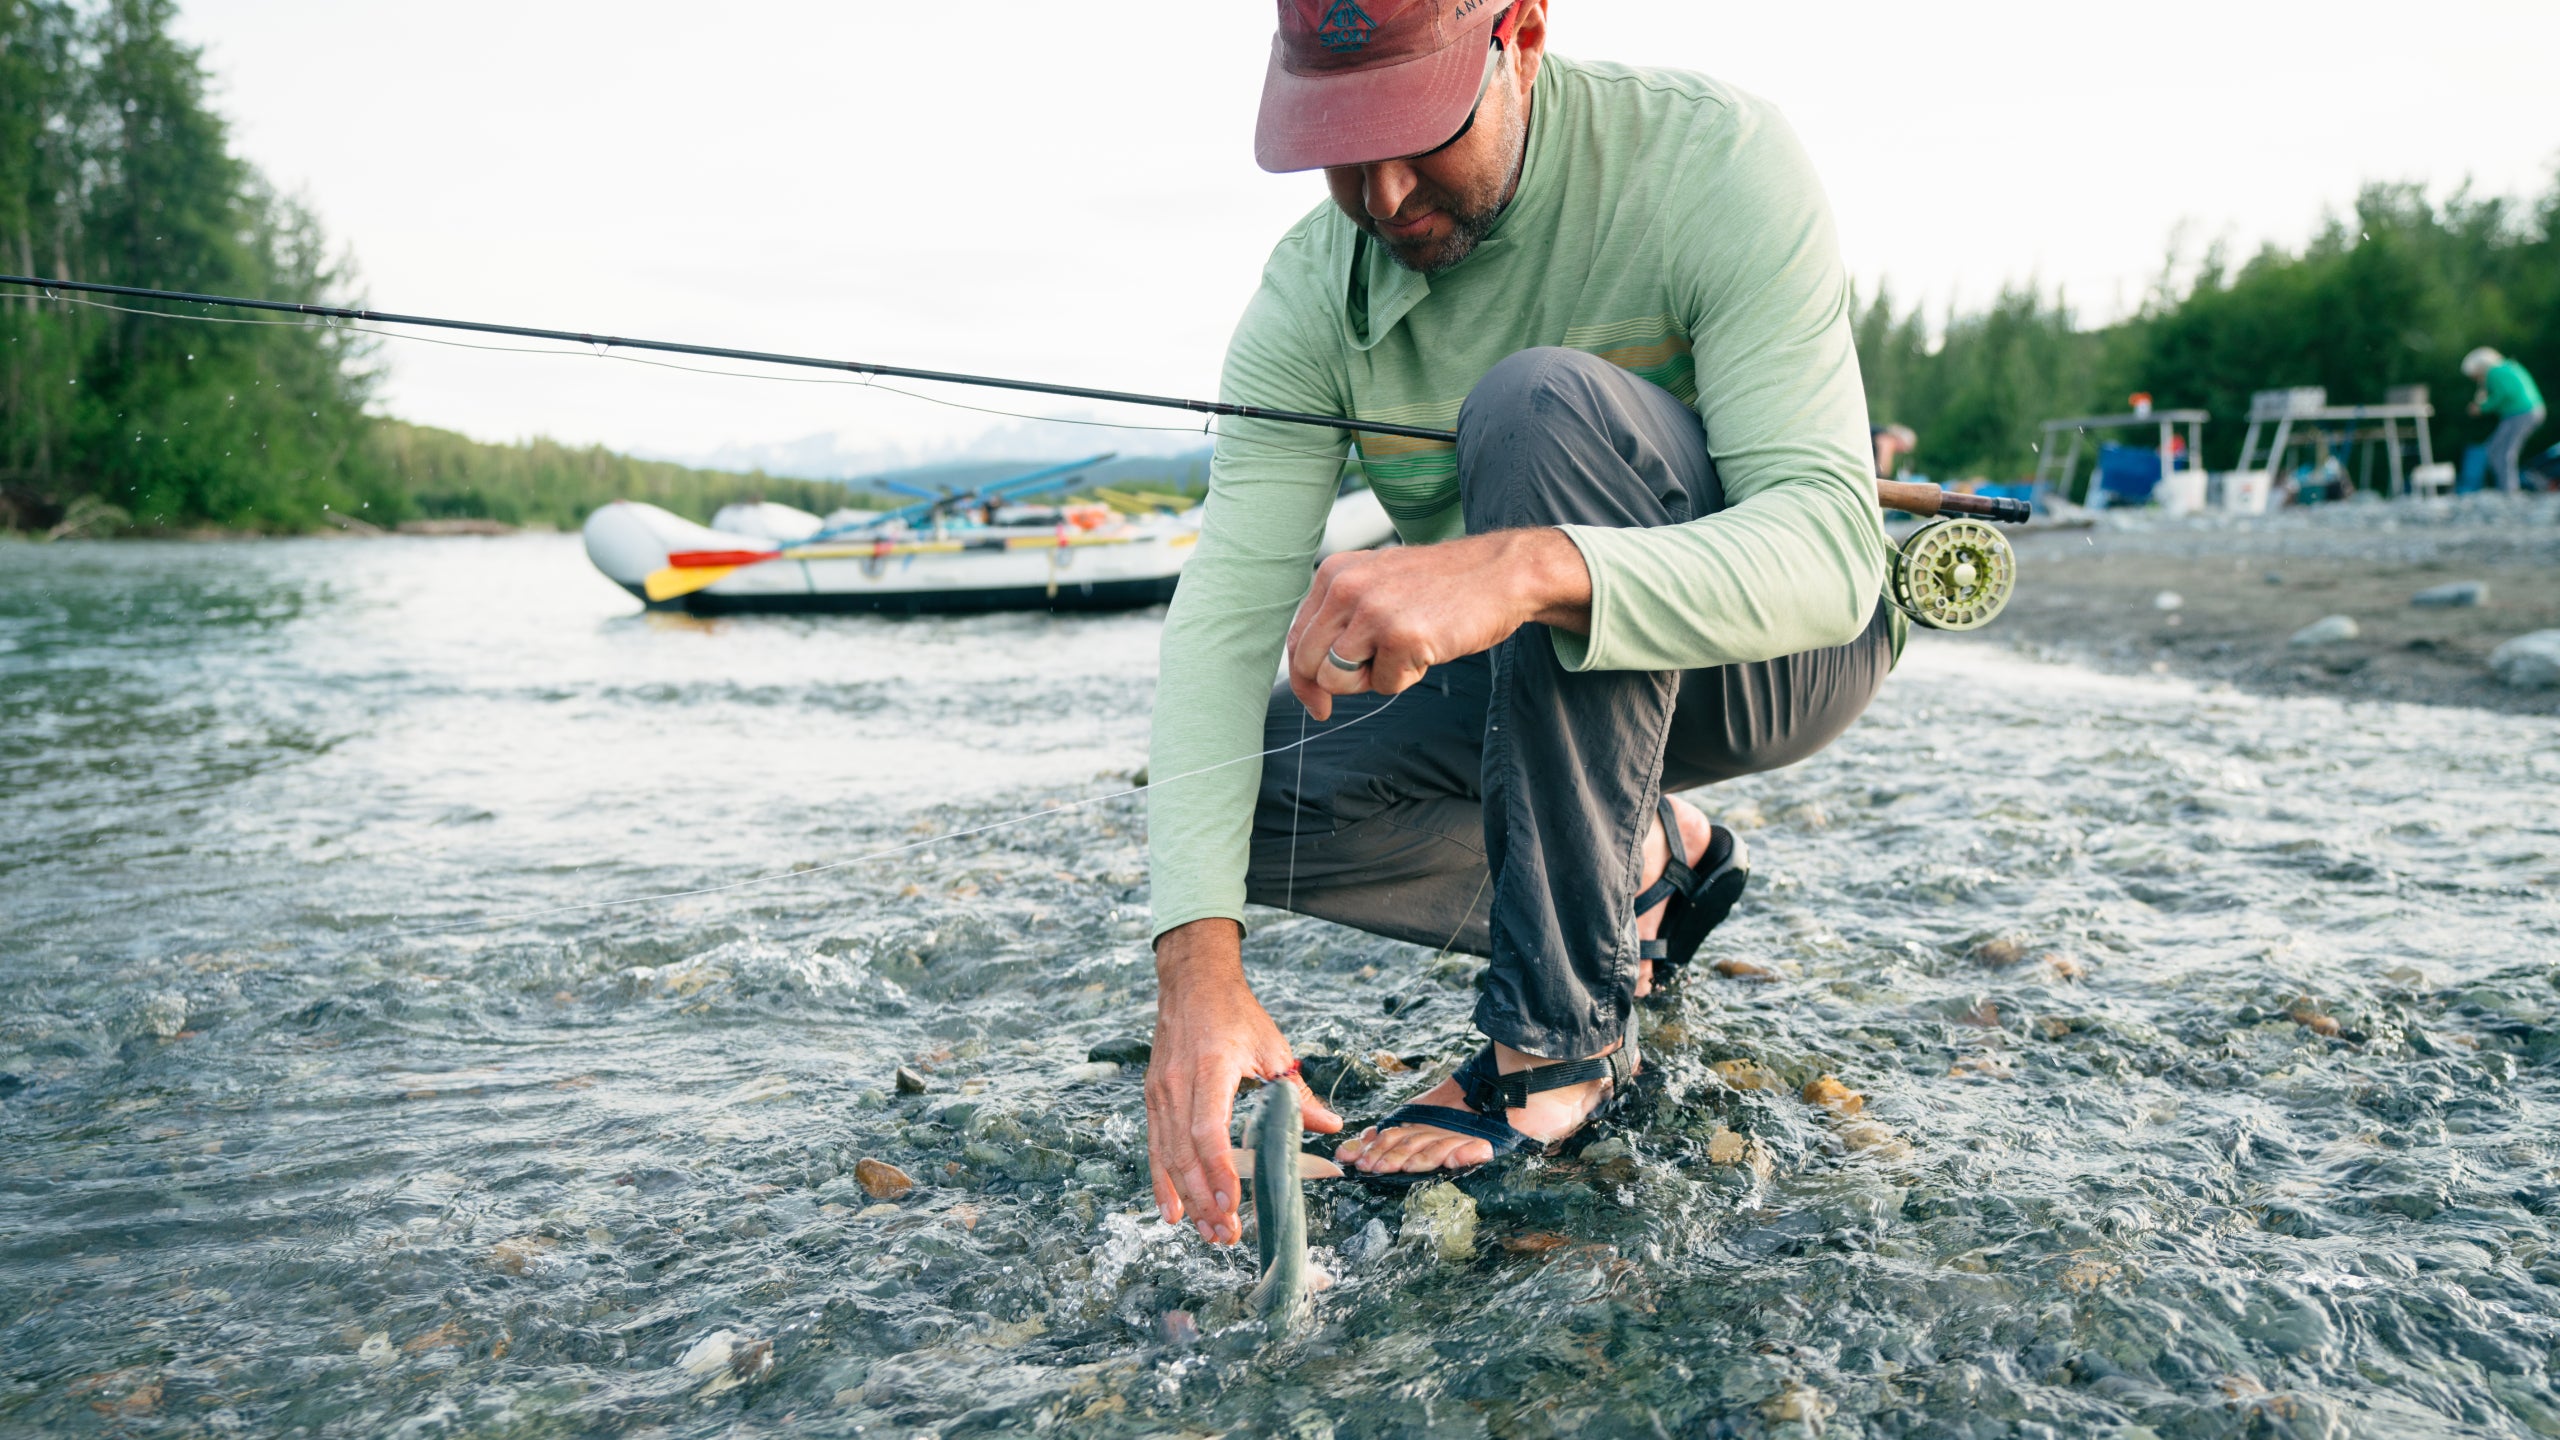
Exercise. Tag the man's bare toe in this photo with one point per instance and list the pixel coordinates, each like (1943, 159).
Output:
(1384, 1152)
(1409, 1149)
(1405, 1153)
(1416, 1150)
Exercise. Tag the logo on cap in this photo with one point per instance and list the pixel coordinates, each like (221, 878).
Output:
(1346, 28)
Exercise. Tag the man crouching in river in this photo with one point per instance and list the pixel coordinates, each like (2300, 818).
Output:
(1651, 561)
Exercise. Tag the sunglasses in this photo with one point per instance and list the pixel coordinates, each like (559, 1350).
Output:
(1483, 88)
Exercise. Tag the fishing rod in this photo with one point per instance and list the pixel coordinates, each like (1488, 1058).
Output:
(1955, 573)
(1920, 500)
(760, 357)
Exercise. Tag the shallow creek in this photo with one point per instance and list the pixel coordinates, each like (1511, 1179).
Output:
(2202, 1051)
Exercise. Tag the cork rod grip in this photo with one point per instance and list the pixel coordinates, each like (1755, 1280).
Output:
(1929, 501)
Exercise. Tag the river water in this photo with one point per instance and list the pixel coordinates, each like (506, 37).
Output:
(2204, 1050)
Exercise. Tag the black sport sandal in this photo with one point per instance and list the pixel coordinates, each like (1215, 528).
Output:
(1493, 1094)
(1700, 898)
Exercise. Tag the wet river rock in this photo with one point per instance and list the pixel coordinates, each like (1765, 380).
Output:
(1128, 1050)
(2456, 595)
(882, 1180)
(1337, 1078)
(2528, 662)
(2329, 630)
(1440, 1219)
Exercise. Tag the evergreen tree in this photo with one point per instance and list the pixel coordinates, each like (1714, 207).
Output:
(41, 109)
(2392, 294)
(113, 167)
(248, 426)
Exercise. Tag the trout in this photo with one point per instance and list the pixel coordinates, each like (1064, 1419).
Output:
(1280, 1210)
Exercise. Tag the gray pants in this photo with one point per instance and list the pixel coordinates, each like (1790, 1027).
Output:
(1501, 806)
(2506, 447)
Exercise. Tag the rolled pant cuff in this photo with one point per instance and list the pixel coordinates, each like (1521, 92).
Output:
(1547, 1043)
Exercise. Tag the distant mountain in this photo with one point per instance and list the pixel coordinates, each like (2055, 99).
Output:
(844, 455)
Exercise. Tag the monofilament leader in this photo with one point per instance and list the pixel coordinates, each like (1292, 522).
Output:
(1651, 561)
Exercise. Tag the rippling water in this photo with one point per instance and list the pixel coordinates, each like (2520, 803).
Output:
(2205, 1047)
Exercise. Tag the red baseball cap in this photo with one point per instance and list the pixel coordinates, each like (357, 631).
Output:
(1355, 81)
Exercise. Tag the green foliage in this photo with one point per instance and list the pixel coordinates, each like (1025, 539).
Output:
(114, 168)
(436, 474)
(130, 179)
(2393, 294)
(41, 81)
(1981, 393)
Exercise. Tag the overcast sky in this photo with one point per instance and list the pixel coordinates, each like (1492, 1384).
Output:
(1067, 191)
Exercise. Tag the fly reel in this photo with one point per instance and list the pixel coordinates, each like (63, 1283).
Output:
(1953, 574)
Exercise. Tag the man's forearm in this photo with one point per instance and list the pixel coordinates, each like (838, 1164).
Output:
(1203, 950)
(1554, 583)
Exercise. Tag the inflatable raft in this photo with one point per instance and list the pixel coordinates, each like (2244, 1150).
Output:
(773, 558)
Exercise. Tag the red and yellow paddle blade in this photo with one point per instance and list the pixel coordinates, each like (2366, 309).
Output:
(675, 581)
(691, 570)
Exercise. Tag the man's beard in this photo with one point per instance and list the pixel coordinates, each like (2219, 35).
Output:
(1472, 217)
(1467, 230)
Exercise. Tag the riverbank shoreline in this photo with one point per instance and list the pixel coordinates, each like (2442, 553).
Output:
(2212, 598)
(358, 530)
(2219, 599)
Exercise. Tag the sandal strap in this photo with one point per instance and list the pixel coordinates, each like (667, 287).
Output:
(1676, 875)
(1493, 1093)
(1489, 1128)
(1480, 1079)
(1622, 1063)
(1516, 1087)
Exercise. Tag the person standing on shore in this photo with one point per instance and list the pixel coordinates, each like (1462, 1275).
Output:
(2508, 392)
(1891, 442)
(1651, 560)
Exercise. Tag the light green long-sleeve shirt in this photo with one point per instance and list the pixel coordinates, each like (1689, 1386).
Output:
(1663, 221)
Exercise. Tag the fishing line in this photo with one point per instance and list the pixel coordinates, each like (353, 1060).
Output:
(802, 874)
(1297, 801)
(1379, 1033)
(169, 315)
(866, 383)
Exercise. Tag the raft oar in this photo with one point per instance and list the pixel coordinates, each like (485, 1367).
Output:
(1032, 482)
(693, 570)
(689, 570)
(1913, 497)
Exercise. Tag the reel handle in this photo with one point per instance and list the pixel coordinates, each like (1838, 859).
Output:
(1929, 502)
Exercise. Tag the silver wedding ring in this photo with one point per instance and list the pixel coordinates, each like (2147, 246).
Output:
(1338, 663)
